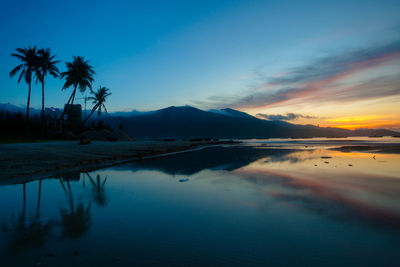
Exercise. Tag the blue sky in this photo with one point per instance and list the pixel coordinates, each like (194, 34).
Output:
(210, 54)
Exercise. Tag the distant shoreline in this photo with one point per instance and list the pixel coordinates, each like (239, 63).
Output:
(377, 148)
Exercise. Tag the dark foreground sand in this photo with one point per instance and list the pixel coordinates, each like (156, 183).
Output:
(34, 160)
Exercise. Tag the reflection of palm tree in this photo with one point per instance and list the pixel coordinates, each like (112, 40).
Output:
(39, 198)
(98, 189)
(75, 222)
(27, 234)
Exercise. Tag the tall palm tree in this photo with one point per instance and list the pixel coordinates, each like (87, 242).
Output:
(45, 65)
(79, 73)
(99, 98)
(28, 56)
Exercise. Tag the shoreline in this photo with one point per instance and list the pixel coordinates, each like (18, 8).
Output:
(20, 162)
(31, 161)
(371, 148)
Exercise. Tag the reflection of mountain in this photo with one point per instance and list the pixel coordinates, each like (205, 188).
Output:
(226, 158)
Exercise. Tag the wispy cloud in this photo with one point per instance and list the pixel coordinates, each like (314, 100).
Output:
(287, 117)
(324, 79)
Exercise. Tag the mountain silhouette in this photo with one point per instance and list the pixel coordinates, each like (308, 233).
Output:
(190, 122)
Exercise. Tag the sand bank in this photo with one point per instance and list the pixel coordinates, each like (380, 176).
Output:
(377, 148)
(30, 160)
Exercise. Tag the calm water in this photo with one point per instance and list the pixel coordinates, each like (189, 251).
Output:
(246, 205)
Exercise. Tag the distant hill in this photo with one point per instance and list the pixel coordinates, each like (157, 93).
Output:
(190, 122)
(7, 107)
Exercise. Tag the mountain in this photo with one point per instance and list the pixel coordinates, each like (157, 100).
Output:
(8, 107)
(129, 113)
(190, 122)
(230, 112)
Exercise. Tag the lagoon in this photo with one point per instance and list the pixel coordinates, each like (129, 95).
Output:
(262, 202)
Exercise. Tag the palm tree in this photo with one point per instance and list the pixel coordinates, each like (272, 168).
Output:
(28, 56)
(79, 73)
(99, 98)
(45, 65)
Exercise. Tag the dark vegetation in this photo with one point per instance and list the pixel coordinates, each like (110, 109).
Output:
(16, 128)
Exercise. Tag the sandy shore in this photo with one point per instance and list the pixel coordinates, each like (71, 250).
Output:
(377, 148)
(30, 160)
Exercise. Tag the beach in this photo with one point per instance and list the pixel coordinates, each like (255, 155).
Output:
(35, 160)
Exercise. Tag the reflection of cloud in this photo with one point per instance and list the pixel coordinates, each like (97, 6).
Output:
(323, 79)
(318, 195)
(287, 117)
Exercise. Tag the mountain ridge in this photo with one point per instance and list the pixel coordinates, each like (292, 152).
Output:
(191, 122)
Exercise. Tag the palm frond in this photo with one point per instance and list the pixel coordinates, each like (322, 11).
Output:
(16, 69)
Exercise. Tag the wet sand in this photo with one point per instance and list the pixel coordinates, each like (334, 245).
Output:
(33, 160)
(377, 148)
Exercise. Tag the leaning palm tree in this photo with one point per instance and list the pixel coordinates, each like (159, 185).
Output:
(99, 98)
(79, 73)
(28, 56)
(45, 65)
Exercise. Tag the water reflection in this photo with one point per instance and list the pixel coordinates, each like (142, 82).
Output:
(75, 222)
(241, 205)
(218, 158)
(98, 188)
(24, 233)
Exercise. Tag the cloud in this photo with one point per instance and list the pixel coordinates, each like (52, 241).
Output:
(324, 79)
(287, 117)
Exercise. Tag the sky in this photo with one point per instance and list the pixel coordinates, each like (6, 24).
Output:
(327, 63)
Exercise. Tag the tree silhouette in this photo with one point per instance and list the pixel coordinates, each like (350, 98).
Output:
(99, 98)
(45, 65)
(29, 58)
(79, 73)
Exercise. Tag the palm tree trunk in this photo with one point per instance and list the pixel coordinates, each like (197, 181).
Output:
(73, 95)
(91, 113)
(43, 98)
(69, 100)
(29, 100)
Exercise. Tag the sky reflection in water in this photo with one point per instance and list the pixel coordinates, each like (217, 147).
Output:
(244, 205)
